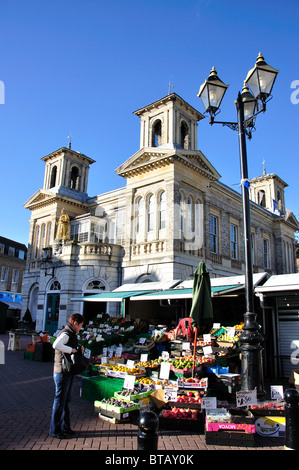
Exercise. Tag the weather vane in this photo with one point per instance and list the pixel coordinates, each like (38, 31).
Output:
(70, 140)
(170, 86)
(264, 168)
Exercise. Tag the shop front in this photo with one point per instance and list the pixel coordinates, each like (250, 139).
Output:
(279, 299)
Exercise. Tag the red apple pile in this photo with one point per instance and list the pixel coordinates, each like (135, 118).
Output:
(181, 413)
(189, 397)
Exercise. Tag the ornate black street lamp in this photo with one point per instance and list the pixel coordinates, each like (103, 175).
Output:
(259, 81)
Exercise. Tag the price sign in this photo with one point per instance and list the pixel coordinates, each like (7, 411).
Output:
(216, 326)
(207, 338)
(246, 398)
(164, 370)
(170, 393)
(104, 360)
(130, 363)
(207, 350)
(231, 332)
(118, 351)
(143, 357)
(209, 403)
(87, 353)
(129, 382)
(165, 355)
(276, 392)
(185, 345)
(142, 340)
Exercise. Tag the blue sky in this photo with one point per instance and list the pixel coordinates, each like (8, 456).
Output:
(84, 67)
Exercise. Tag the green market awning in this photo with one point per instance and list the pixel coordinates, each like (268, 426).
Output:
(109, 296)
(185, 293)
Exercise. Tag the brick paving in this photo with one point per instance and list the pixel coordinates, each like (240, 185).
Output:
(27, 391)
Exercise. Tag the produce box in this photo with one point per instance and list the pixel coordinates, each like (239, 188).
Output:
(268, 408)
(182, 419)
(270, 426)
(225, 344)
(29, 355)
(230, 438)
(193, 383)
(232, 428)
(118, 418)
(133, 397)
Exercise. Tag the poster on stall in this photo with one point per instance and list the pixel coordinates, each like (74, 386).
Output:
(164, 370)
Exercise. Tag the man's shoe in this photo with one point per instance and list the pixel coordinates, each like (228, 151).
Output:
(58, 436)
(70, 432)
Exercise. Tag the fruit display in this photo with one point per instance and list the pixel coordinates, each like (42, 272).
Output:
(114, 404)
(139, 391)
(181, 413)
(190, 397)
(226, 337)
(186, 363)
(153, 364)
(145, 380)
(268, 405)
(220, 415)
(124, 369)
(195, 382)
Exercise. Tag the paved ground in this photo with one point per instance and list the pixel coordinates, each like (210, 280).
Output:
(26, 391)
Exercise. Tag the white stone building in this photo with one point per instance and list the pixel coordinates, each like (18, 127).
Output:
(172, 212)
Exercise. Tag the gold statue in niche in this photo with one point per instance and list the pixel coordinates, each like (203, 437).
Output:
(63, 226)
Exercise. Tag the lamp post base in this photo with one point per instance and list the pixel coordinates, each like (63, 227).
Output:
(252, 376)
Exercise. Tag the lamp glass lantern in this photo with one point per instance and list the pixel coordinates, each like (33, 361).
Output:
(249, 102)
(212, 92)
(260, 79)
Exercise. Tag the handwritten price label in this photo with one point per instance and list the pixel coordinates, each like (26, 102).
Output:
(246, 398)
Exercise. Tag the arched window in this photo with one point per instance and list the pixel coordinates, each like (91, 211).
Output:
(36, 242)
(42, 237)
(182, 212)
(53, 177)
(95, 285)
(279, 200)
(184, 135)
(74, 178)
(262, 198)
(162, 210)
(157, 134)
(139, 215)
(150, 213)
(190, 215)
(55, 285)
(199, 218)
(48, 236)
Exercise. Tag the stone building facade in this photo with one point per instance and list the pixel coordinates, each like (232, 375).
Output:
(172, 212)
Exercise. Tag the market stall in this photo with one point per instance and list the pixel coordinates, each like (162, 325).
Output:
(135, 367)
(130, 373)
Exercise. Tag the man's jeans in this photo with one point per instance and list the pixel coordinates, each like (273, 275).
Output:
(60, 420)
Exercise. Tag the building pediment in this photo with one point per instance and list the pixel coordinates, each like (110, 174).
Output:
(148, 159)
(291, 219)
(46, 197)
(41, 197)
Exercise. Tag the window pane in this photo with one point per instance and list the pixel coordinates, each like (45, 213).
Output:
(162, 210)
(214, 234)
(234, 241)
(150, 214)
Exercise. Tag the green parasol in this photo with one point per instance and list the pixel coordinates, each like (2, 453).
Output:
(201, 308)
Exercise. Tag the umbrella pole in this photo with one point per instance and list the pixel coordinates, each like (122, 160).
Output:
(194, 351)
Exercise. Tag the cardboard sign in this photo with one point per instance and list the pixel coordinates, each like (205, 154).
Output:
(164, 370)
(129, 382)
(246, 398)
